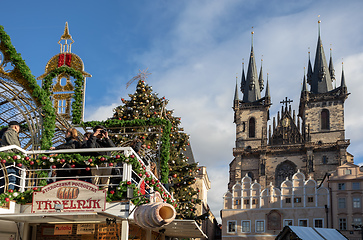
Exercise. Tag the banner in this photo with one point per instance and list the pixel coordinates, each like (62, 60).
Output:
(69, 196)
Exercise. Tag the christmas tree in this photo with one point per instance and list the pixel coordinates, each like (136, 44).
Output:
(144, 104)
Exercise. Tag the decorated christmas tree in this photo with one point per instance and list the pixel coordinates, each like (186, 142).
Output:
(144, 104)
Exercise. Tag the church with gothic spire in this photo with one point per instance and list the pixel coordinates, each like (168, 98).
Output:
(280, 161)
(311, 139)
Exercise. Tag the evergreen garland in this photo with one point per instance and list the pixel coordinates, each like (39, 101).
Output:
(40, 96)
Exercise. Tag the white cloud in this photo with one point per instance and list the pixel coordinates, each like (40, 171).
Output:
(195, 66)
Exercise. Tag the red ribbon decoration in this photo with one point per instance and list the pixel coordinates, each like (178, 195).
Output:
(142, 187)
(61, 60)
(68, 59)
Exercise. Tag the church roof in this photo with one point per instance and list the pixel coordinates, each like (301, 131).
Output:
(320, 81)
(252, 89)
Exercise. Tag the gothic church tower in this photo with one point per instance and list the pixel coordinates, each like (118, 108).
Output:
(313, 141)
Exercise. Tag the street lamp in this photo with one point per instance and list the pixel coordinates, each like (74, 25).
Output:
(358, 227)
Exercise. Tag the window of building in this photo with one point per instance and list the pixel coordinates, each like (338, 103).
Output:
(288, 200)
(237, 202)
(356, 185)
(342, 224)
(61, 106)
(303, 222)
(325, 159)
(297, 200)
(288, 222)
(341, 203)
(356, 202)
(348, 171)
(246, 201)
(260, 226)
(310, 199)
(341, 186)
(357, 221)
(231, 226)
(325, 119)
(254, 201)
(246, 226)
(252, 128)
(319, 223)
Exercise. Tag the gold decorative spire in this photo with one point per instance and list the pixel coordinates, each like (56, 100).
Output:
(65, 47)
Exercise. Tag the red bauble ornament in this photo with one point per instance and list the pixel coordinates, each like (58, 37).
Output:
(19, 165)
(140, 174)
(174, 176)
(3, 161)
(44, 158)
(112, 191)
(27, 158)
(62, 161)
(111, 164)
(90, 160)
(31, 162)
(87, 169)
(148, 146)
(132, 156)
(102, 159)
(15, 157)
(118, 156)
(7, 199)
(147, 181)
(73, 166)
(35, 188)
(54, 166)
(10, 190)
(128, 182)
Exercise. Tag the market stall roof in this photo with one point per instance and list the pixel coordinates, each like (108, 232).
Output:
(62, 217)
(183, 228)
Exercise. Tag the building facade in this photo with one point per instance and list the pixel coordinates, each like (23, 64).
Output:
(346, 187)
(294, 146)
(261, 213)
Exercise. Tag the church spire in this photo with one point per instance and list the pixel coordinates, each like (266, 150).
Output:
(65, 46)
(236, 98)
(342, 83)
(260, 78)
(331, 67)
(304, 85)
(321, 81)
(252, 87)
(310, 70)
(267, 92)
(243, 78)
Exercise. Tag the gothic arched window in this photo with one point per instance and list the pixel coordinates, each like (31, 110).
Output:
(284, 170)
(325, 119)
(252, 128)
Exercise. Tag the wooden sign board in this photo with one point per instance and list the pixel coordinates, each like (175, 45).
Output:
(71, 196)
(86, 228)
(108, 232)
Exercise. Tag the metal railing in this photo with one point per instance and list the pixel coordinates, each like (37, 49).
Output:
(103, 176)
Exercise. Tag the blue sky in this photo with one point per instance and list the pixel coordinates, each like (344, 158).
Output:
(194, 51)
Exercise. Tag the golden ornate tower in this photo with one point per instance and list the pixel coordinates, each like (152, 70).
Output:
(65, 79)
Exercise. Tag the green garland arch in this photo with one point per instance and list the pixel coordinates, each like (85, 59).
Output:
(37, 92)
(165, 138)
(79, 83)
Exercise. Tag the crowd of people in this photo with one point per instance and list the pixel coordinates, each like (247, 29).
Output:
(98, 139)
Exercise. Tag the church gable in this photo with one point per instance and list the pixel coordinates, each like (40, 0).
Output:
(287, 131)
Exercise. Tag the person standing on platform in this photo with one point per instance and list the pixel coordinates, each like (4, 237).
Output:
(100, 139)
(11, 137)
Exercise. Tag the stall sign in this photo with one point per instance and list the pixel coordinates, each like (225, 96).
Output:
(63, 229)
(86, 228)
(69, 196)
